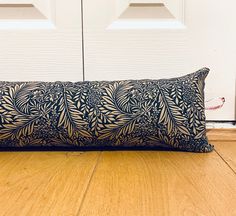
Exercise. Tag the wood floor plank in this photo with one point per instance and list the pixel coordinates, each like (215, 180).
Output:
(227, 150)
(221, 134)
(160, 183)
(44, 183)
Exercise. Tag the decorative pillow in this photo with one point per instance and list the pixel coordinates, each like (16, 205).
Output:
(128, 113)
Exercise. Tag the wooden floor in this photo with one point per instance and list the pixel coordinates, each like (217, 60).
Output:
(123, 183)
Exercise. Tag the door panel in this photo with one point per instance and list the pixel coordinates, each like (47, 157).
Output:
(206, 40)
(35, 48)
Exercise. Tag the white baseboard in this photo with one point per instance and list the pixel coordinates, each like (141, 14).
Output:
(226, 125)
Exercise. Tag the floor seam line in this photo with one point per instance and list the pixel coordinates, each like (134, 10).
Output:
(225, 161)
(89, 182)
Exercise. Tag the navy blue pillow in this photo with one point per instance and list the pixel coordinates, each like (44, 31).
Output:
(127, 113)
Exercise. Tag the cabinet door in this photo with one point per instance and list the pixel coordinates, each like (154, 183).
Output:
(40, 40)
(135, 39)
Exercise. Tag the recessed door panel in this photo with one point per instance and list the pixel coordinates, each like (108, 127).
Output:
(121, 42)
(40, 40)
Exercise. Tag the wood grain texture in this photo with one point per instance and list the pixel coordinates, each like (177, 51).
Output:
(221, 134)
(44, 183)
(119, 183)
(224, 141)
(227, 150)
(160, 183)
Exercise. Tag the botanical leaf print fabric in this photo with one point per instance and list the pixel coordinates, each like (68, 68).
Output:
(128, 113)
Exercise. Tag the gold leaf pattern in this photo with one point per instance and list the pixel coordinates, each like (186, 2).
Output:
(140, 113)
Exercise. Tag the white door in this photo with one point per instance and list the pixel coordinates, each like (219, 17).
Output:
(40, 40)
(134, 39)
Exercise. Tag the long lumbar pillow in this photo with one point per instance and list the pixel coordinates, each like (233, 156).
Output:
(128, 113)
